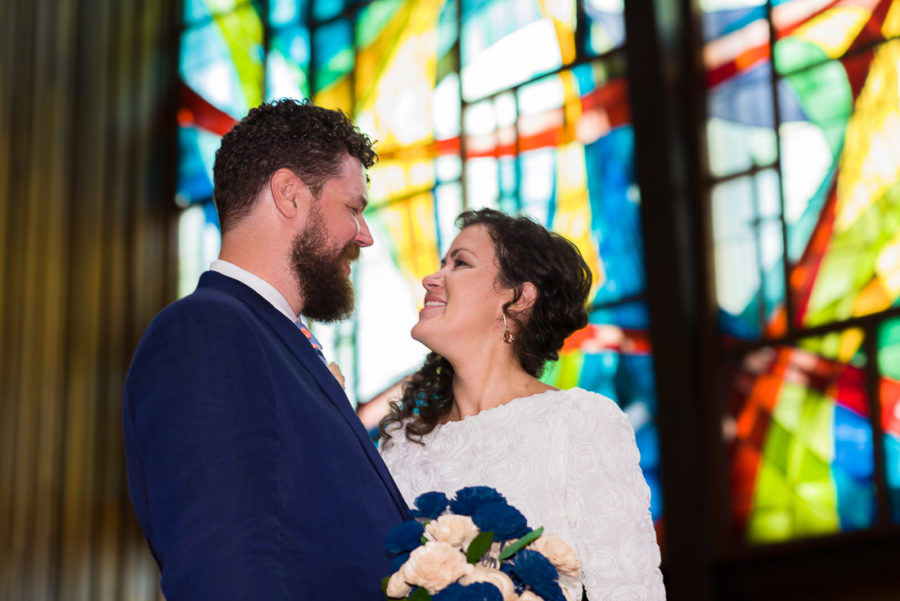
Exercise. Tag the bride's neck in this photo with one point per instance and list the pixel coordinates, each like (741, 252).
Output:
(477, 388)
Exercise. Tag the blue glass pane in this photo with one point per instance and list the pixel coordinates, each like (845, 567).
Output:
(854, 468)
(892, 469)
(326, 9)
(615, 214)
(287, 12)
(333, 52)
(196, 151)
(201, 10)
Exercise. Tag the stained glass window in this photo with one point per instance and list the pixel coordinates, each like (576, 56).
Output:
(516, 104)
(802, 135)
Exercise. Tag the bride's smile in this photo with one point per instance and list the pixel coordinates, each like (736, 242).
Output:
(463, 300)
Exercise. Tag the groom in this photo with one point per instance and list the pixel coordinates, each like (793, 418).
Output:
(251, 476)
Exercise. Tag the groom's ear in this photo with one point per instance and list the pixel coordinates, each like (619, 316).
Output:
(288, 192)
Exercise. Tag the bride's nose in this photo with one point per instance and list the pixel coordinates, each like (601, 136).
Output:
(431, 281)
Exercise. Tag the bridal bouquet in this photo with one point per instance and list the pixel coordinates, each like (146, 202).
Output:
(475, 547)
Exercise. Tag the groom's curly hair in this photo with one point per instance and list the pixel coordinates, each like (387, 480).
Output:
(307, 139)
(526, 252)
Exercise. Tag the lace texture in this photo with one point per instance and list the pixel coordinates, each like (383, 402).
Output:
(568, 461)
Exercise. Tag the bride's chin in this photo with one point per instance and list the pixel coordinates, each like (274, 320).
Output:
(420, 334)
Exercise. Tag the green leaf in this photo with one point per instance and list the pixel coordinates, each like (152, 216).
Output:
(420, 594)
(479, 546)
(384, 583)
(525, 540)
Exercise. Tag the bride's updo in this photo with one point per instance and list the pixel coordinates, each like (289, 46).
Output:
(526, 252)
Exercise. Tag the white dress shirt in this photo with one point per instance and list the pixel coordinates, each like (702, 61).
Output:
(259, 285)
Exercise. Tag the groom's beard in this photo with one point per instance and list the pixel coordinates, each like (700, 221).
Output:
(326, 290)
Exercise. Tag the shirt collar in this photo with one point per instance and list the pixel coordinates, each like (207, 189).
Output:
(259, 285)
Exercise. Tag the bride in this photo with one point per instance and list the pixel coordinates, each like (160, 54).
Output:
(507, 295)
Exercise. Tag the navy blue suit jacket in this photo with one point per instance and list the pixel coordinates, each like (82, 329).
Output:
(251, 475)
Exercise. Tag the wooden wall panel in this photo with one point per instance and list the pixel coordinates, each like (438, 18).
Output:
(87, 147)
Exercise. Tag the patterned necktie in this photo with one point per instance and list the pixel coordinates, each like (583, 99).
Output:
(317, 346)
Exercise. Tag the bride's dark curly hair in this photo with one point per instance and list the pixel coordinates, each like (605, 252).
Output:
(526, 252)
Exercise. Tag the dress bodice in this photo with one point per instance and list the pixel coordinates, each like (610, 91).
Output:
(568, 461)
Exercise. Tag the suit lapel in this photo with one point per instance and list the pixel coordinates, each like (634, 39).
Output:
(300, 347)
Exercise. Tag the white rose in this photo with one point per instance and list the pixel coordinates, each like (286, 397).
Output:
(434, 565)
(455, 530)
(397, 587)
(495, 577)
(560, 554)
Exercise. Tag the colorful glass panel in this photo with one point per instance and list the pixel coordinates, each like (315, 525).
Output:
(800, 441)
(221, 69)
(748, 251)
(605, 24)
(198, 244)
(195, 11)
(805, 214)
(849, 265)
(287, 64)
(333, 61)
(509, 42)
(889, 389)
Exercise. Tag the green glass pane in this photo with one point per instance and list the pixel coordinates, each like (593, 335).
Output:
(373, 19)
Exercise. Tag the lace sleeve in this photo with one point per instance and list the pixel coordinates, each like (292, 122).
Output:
(608, 504)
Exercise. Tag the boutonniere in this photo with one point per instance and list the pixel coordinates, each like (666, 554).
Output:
(336, 372)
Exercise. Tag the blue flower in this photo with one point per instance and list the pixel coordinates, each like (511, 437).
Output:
(429, 505)
(451, 592)
(510, 570)
(549, 591)
(501, 518)
(398, 561)
(405, 537)
(469, 499)
(477, 591)
(537, 573)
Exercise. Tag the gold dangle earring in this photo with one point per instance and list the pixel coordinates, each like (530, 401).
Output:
(508, 337)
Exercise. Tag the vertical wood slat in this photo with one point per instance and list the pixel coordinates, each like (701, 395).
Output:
(7, 413)
(49, 230)
(83, 389)
(108, 567)
(20, 492)
(85, 206)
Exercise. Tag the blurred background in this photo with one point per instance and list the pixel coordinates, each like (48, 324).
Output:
(729, 168)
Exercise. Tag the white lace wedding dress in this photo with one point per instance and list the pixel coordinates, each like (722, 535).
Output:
(567, 460)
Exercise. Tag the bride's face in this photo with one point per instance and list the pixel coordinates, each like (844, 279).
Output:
(463, 301)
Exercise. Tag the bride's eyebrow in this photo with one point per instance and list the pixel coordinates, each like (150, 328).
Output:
(456, 251)
(452, 254)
